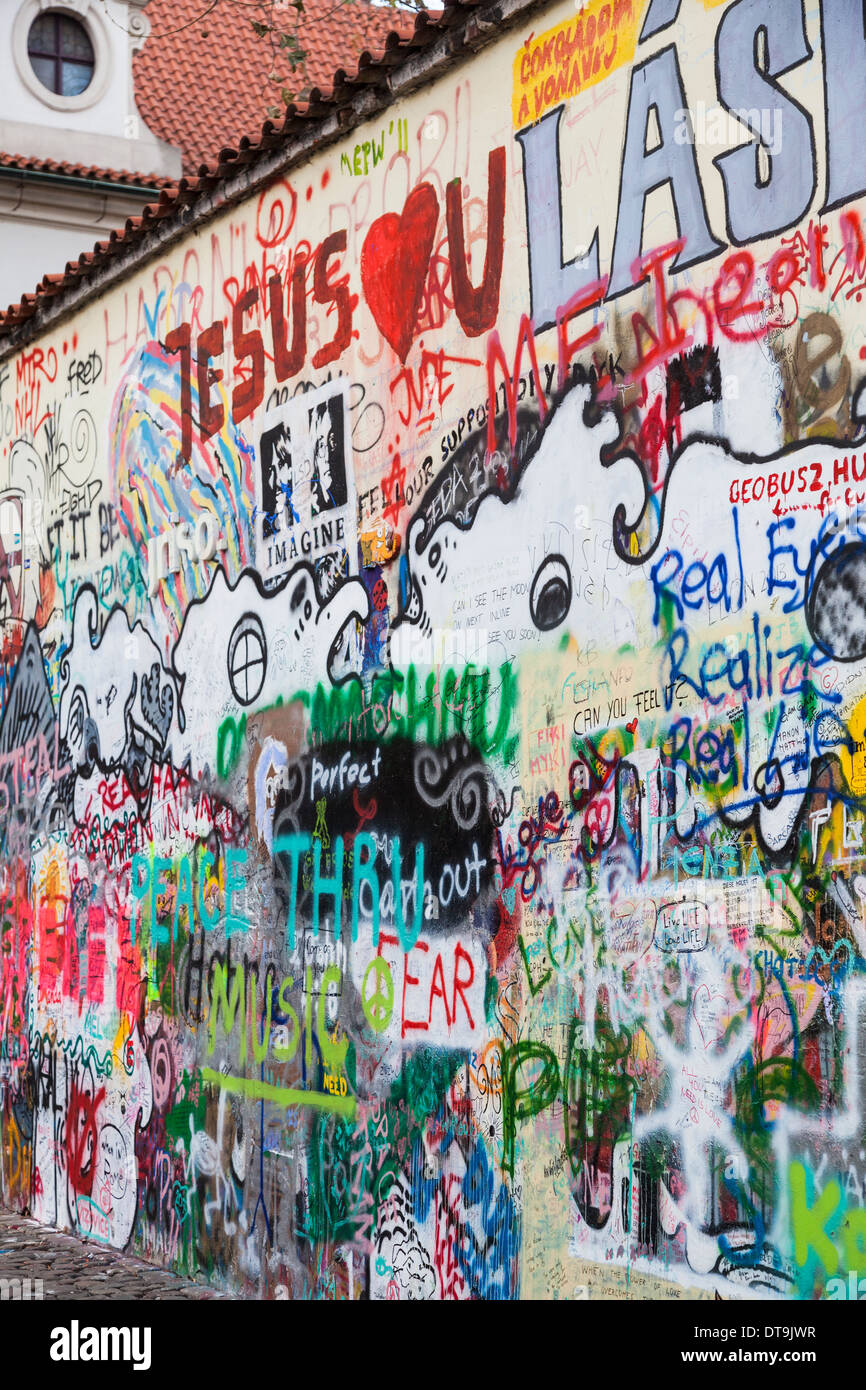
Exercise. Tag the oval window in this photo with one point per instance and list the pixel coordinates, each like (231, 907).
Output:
(61, 53)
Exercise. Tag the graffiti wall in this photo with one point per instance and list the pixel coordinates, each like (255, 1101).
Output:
(433, 694)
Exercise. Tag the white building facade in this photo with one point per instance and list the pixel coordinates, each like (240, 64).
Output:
(78, 158)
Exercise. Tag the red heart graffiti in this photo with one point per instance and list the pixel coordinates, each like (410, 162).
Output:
(394, 262)
(632, 727)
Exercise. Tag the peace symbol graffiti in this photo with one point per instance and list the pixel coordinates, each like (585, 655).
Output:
(378, 1003)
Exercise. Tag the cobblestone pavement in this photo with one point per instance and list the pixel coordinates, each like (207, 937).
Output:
(80, 1269)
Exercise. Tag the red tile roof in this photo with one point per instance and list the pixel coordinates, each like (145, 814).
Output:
(60, 169)
(371, 71)
(204, 80)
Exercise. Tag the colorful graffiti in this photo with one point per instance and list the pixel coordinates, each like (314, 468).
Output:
(433, 701)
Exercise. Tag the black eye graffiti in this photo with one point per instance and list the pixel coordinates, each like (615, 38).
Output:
(550, 595)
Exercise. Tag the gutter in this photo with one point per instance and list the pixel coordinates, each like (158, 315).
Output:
(8, 172)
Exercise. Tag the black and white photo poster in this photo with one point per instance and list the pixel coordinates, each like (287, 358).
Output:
(306, 501)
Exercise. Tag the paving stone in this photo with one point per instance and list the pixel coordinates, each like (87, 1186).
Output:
(70, 1268)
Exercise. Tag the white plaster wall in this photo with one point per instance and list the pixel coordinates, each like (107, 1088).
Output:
(44, 225)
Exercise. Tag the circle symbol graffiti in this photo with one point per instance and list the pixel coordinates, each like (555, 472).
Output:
(378, 1002)
(112, 1166)
(247, 659)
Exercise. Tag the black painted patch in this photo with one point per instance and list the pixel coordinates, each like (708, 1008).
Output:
(694, 378)
(414, 791)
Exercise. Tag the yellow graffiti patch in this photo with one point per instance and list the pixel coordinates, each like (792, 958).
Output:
(575, 55)
(379, 545)
(853, 760)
